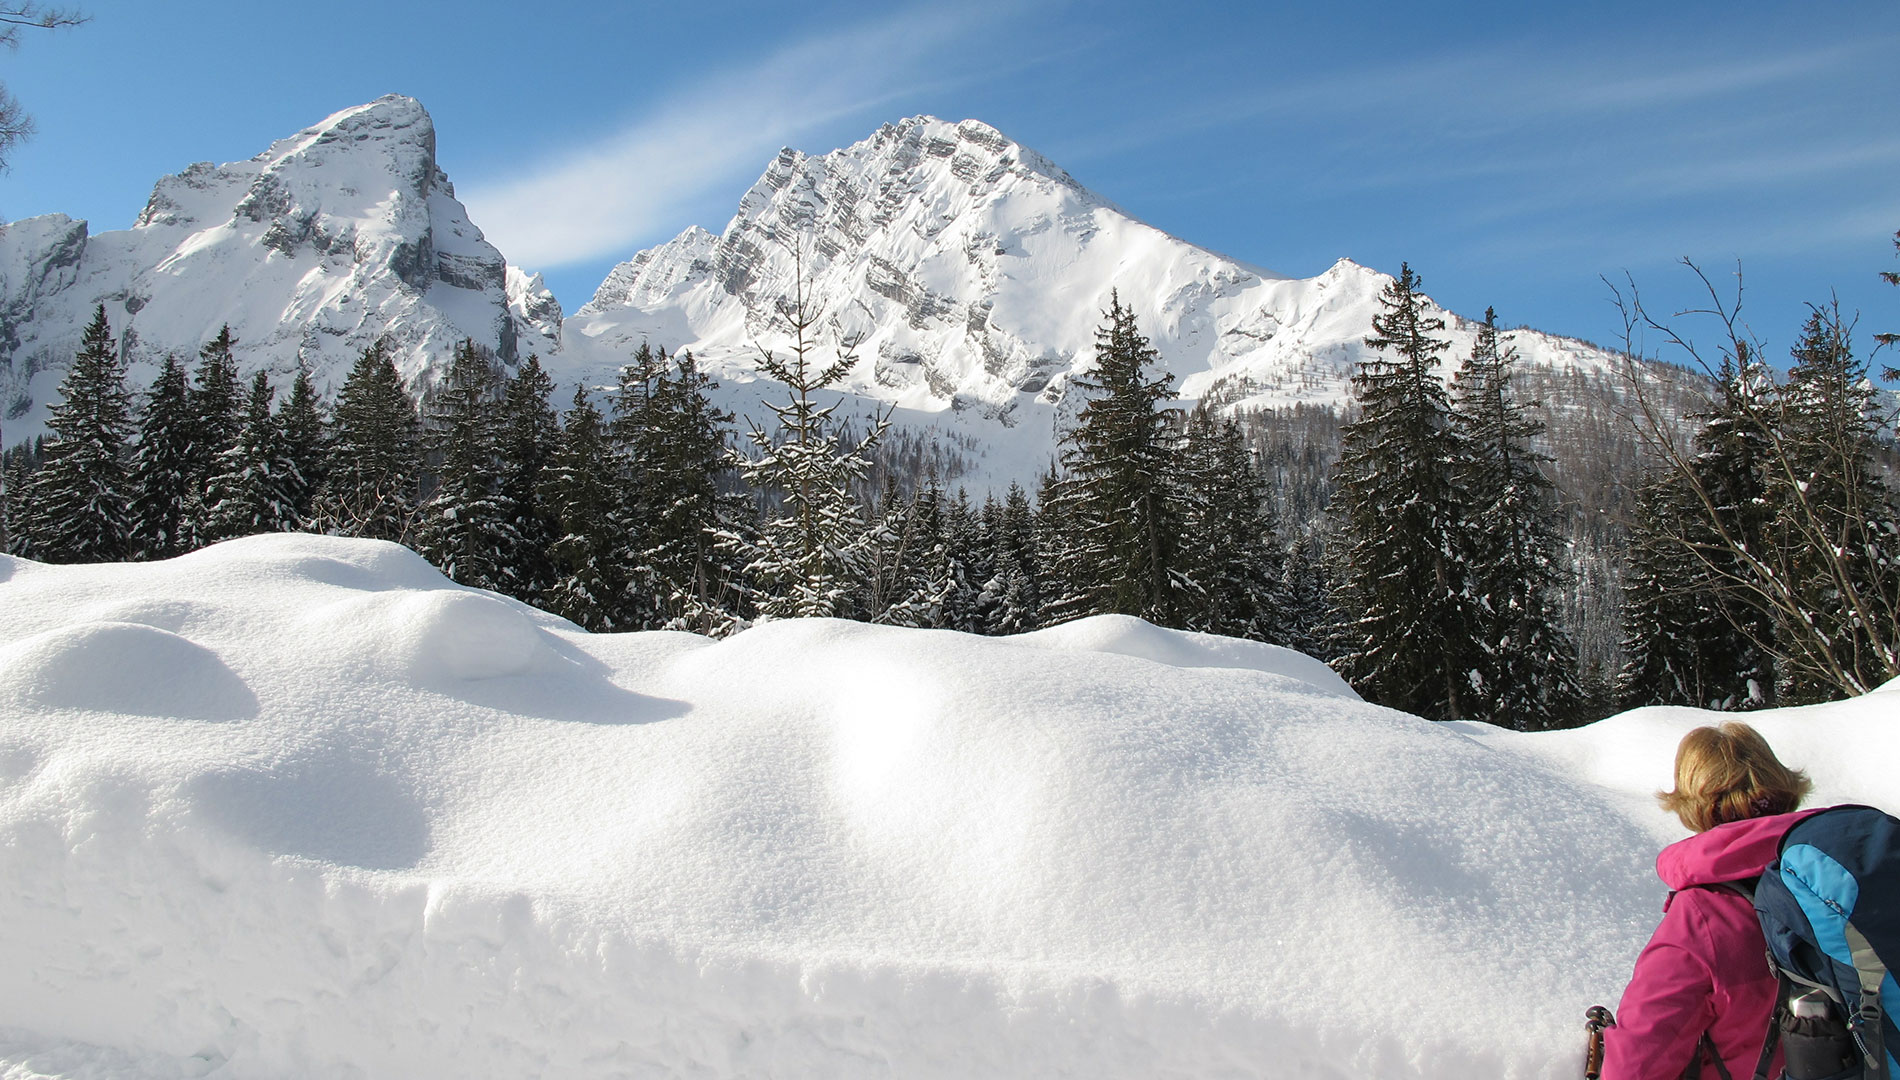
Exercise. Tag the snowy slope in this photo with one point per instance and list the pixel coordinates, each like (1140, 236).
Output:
(339, 234)
(298, 806)
(974, 272)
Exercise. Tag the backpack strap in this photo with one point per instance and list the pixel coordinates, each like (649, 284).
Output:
(1706, 1046)
(1772, 1038)
(1866, 1023)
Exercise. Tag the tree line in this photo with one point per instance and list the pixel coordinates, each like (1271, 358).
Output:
(1765, 565)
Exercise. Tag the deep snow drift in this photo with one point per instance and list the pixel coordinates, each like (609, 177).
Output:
(298, 806)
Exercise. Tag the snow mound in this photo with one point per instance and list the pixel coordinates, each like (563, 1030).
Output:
(449, 835)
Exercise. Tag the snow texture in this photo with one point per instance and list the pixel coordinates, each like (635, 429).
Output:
(300, 806)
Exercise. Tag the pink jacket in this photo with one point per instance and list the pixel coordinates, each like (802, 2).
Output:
(1705, 969)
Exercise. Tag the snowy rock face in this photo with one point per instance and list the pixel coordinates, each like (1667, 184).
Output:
(974, 272)
(342, 233)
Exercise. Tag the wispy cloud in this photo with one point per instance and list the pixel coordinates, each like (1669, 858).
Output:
(605, 198)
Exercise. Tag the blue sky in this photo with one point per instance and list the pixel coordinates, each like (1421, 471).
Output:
(1513, 153)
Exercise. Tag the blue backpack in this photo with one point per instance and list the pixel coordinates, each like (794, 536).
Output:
(1830, 908)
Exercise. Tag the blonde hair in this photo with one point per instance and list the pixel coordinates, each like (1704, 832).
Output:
(1727, 773)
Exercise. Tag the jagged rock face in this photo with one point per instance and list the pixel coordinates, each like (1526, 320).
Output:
(340, 234)
(974, 273)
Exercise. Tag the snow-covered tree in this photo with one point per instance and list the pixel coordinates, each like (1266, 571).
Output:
(305, 448)
(1411, 630)
(810, 553)
(688, 502)
(578, 489)
(247, 494)
(1121, 489)
(81, 496)
(530, 435)
(1013, 595)
(465, 530)
(1528, 664)
(165, 491)
(375, 459)
(217, 405)
(1234, 560)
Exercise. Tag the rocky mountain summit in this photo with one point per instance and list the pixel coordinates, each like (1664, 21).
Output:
(342, 233)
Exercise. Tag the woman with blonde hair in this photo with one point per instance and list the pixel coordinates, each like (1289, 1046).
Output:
(1700, 998)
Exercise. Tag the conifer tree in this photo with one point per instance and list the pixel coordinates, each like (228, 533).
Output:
(1411, 638)
(247, 495)
(1673, 630)
(375, 454)
(465, 530)
(686, 467)
(810, 553)
(927, 576)
(1527, 677)
(1309, 616)
(217, 407)
(165, 490)
(81, 496)
(530, 436)
(305, 448)
(1060, 582)
(1237, 570)
(577, 487)
(1015, 588)
(1834, 545)
(1122, 490)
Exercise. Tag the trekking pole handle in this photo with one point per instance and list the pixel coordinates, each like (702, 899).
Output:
(1594, 1021)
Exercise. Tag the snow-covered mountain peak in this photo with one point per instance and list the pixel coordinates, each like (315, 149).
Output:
(331, 239)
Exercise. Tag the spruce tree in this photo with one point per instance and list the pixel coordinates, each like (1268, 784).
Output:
(1730, 470)
(305, 448)
(81, 496)
(1673, 630)
(375, 458)
(465, 530)
(165, 489)
(689, 501)
(1309, 616)
(1122, 489)
(217, 410)
(1236, 566)
(1060, 582)
(1411, 634)
(810, 553)
(247, 494)
(1511, 538)
(1833, 534)
(1015, 585)
(530, 435)
(577, 488)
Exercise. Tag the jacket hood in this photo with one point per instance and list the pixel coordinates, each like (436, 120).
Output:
(1732, 852)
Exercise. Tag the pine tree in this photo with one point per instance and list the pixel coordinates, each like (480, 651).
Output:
(1060, 583)
(305, 448)
(217, 412)
(247, 495)
(1730, 471)
(633, 436)
(1412, 634)
(465, 530)
(1309, 614)
(810, 553)
(375, 459)
(166, 494)
(81, 495)
(577, 487)
(1672, 627)
(1016, 584)
(1833, 540)
(1236, 567)
(530, 435)
(926, 577)
(1122, 489)
(689, 503)
(1528, 671)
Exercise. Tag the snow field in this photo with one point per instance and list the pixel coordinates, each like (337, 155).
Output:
(298, 806)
